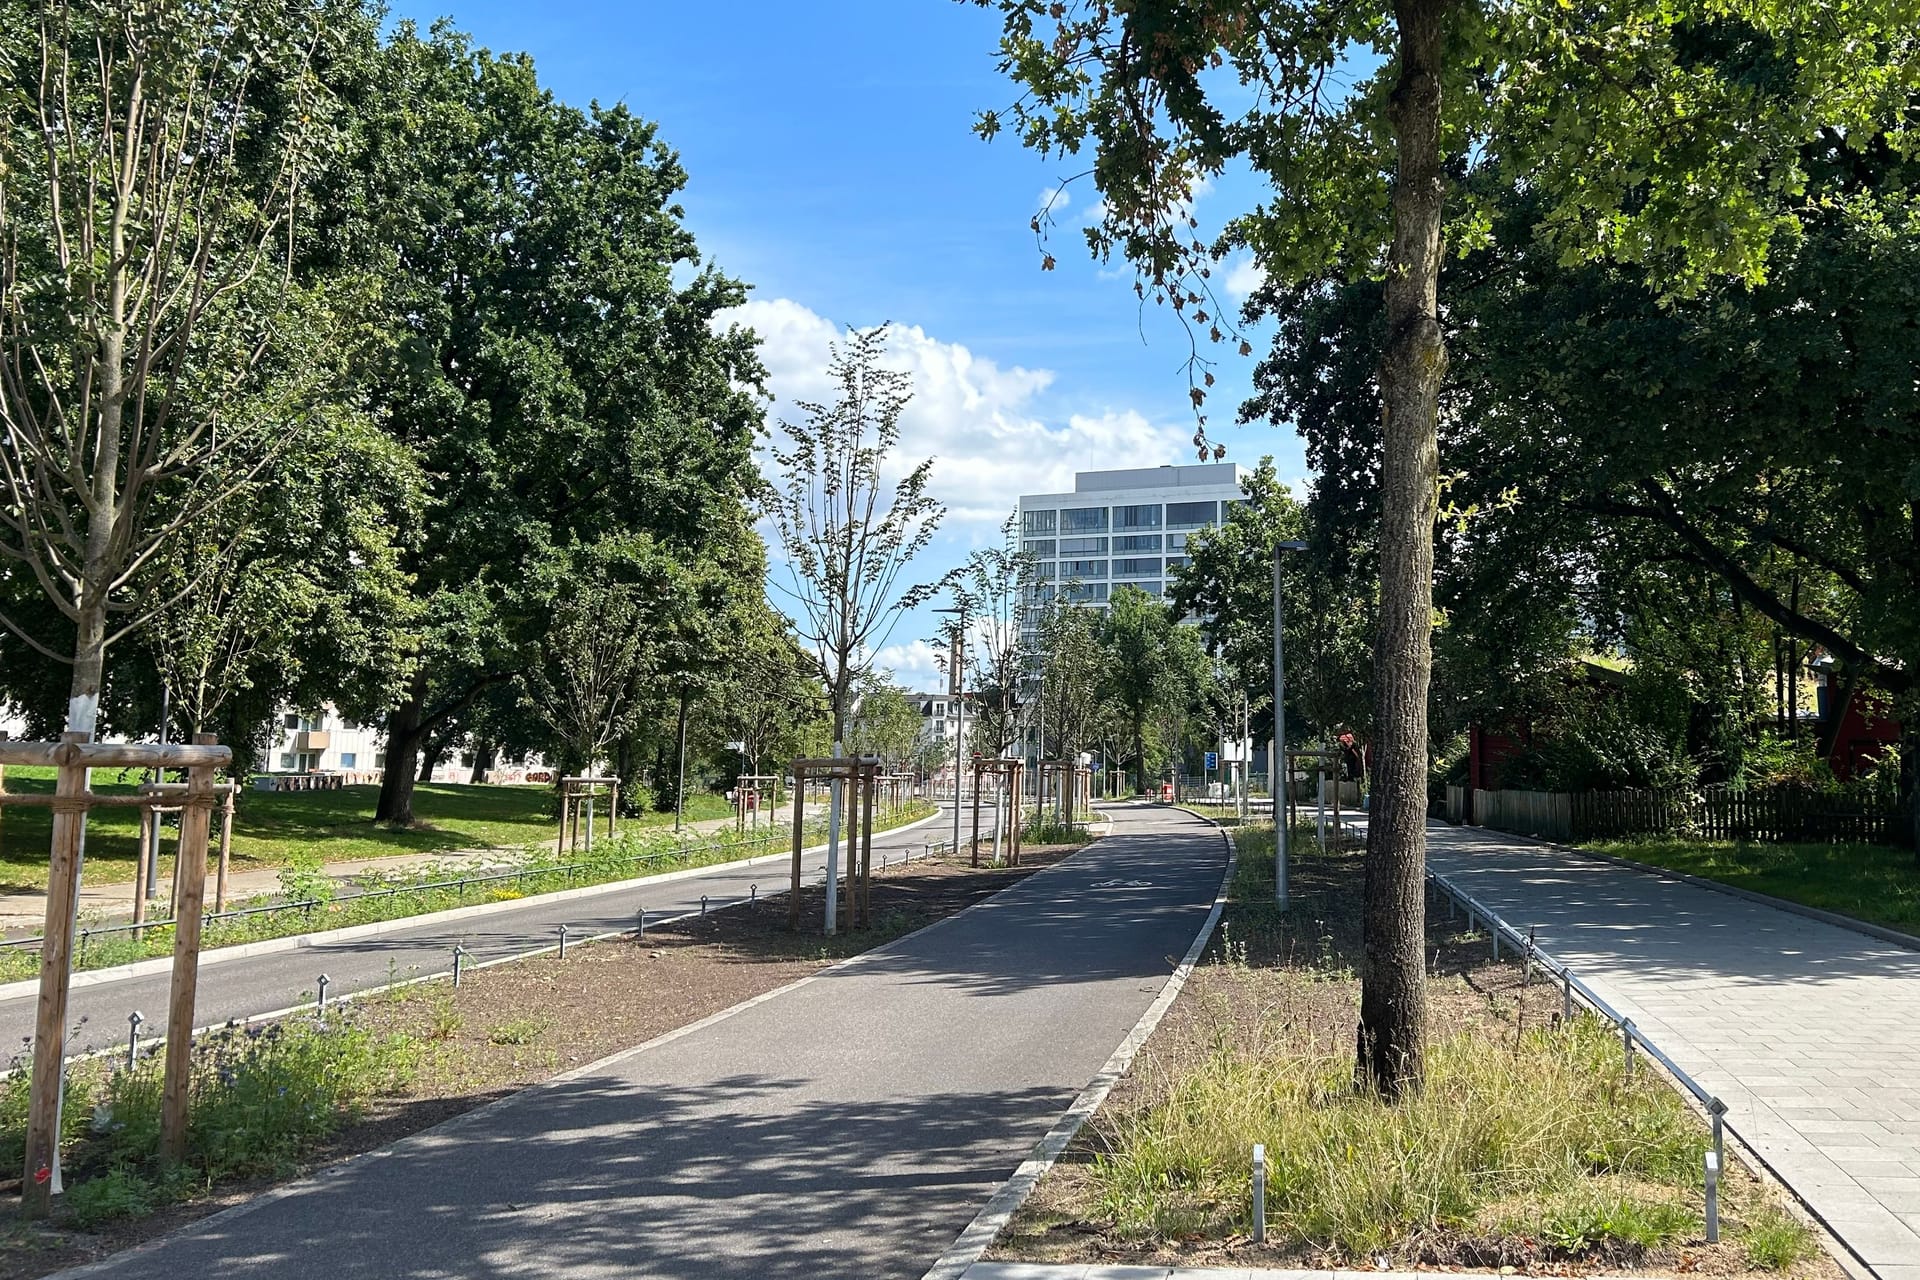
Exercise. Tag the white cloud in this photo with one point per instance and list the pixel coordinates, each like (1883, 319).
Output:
(1244, 276)
(915, 665)
(978, 420)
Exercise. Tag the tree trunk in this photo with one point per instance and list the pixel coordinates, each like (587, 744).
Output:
(484, 756)
(1391, 1049)
(89, 672)
(404, 734)
(431, 749)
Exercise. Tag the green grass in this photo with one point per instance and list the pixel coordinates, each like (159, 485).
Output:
(1876, 883)
(1533, 1119)
(539, 872)
(275, 829)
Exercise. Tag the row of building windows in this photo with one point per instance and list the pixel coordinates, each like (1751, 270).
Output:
(1094, 520)
(1125, 544)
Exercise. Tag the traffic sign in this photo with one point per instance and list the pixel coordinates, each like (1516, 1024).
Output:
(1213, 760)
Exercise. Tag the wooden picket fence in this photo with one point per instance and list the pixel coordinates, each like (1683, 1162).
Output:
(1761, 814)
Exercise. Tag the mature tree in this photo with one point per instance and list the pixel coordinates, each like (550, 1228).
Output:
(769, 697)
(554, 360)
(1142, 676)
(1672, 161)
(1226, 589)
(583, 681)
(153, 349)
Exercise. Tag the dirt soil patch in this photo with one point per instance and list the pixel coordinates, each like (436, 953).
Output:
(517, 1024)
(1299, 982)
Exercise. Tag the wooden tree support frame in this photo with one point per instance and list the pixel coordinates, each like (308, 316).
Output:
(71, 801)
(150, 815)
(864, 773)
(764, 788)
(1072, 786)
(1010, 770)
(577, 795)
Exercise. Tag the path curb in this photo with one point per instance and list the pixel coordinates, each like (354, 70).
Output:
(973, 1241)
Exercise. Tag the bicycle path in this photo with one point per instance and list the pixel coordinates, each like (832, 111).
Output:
(1809, 1032)
(847, 1126)
(236, 984)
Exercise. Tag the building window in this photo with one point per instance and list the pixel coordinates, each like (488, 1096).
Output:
(1032, 522)
(348, 759)
(1137, 542)
(1176, 541)
(1142, 517)
(1147, 588)
(1083, 546)
(290, 721)
(1148, 567)
(1176, 562)
(1038, 546)
(1041, 572)
(379, 759)
(286, 759)
(1191, 515)
(1083, 568)
(1085, 592)
(1083, 520)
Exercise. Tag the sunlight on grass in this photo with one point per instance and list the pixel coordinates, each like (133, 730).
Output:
(1877, 883)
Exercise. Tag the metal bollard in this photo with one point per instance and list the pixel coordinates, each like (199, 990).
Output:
(134, 1020)
(459, 954)
(753, 893)
(563, 942)
(1626, 1038)
(1713, 1197)
(1718, 1111)
(1566, 995)
(703, 904)
(1259, 1193)
(320, 1001)
(1526, 979)
(640, 922)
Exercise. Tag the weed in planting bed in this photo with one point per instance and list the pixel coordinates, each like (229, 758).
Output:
(1531, 1146)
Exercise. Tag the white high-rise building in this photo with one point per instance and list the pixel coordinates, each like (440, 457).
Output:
(1122, 528)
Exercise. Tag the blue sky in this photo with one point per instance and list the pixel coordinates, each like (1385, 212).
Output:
(832, 167)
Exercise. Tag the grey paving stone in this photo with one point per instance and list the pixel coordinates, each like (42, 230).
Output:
(1808, 1030)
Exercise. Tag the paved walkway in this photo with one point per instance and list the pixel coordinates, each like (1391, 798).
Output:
(1809, 1032)
(849, 1126)
(26, 913)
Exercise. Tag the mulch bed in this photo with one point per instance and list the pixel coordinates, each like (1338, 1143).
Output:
(514, 1025)
(1226, 1002)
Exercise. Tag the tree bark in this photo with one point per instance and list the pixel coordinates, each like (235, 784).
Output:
(404, 734)
(484, 755)
(1391, 1051)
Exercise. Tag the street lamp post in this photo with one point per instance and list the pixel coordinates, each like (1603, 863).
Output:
(1277, 764)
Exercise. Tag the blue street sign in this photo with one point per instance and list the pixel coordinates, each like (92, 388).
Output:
(1213, 760)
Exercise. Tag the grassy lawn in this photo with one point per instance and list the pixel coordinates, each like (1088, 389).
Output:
(1532, 1148)
(277, 829)
(1876, 883)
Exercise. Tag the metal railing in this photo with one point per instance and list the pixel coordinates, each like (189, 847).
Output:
(460, 886)
(1534, 956)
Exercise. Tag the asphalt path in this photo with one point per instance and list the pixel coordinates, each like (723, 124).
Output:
(848, 1126)
(246, 986)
